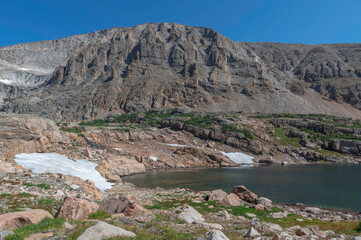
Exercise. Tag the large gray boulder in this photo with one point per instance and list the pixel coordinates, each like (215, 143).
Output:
(190, 215)
(215, 235)
(103, 230)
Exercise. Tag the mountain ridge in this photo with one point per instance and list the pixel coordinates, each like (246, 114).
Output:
(194, 68)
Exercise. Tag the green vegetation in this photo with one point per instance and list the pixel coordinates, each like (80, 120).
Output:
(347, 228)
(329, 153)
(41, 185)
(358, 227)
(199, 121)
(126, 117)
(98, 122)
(101, 214)
(286, 140)
(72, 129)
(47, 224)
(45, 201)
(315, 135)
(231, 128)
(25, 195)
(241, 210)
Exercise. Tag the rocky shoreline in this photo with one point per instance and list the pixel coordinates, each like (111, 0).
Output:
(81, 212)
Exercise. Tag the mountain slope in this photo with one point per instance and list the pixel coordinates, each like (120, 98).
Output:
(172, 65)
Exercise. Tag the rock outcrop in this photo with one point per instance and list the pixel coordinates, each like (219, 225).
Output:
(14, 220)
(77, 209)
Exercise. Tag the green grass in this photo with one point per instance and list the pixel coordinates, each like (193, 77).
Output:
(101, 214)
(122, 129)
(242, 210)
(348, 228)
(41, 185)
(98, 122)
(45, 201)
(25, 195)
(231, 128)
(198, 121)
(72, 129)
(47, 224)
(328, 153)
(286, 140)
(316, 135)
(126, 117)
(358, 227)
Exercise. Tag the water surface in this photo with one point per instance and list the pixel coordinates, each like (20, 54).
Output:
(336, 186)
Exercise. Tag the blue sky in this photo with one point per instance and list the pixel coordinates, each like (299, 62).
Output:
(290, 21)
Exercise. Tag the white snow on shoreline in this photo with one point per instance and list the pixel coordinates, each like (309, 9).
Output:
(57, 163)
(6, 81)
(239, 157)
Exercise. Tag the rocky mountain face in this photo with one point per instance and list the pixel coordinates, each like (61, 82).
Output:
(171, 65)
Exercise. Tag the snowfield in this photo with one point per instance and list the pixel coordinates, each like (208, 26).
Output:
(239, 157)
(6, 81)
(57, 163)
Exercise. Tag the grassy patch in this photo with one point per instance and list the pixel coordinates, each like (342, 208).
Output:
(72, 129)
(41, 185)
(47, 224)
(126, 117)
(101, 214)
(25, 195)
(286, 140)
(79, 228)
(242, 210)
(98, 122)
(347, 228)
(328, 153)
(198, 121)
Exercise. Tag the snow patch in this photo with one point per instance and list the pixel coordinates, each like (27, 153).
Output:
(154, 158)
(57, 163)
(117, 149)
(6, 81)
(239, 157)
(176, 145)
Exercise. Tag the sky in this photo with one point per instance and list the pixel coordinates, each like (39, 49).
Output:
(286, 21)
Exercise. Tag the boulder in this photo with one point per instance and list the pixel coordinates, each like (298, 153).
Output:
(304, 232)
(217, 195)
(250, 215)
(251, 233)
(265, 202)
(4, 234)
(77, 209)
(14, 220)
(189, 214)
(215, 235)
(125, 206)
(278, 215)
(314, 210)
(103, 230)
(244, 194)
(231, 200)
(114, 204)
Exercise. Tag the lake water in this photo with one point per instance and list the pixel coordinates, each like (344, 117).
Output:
(332, 186)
